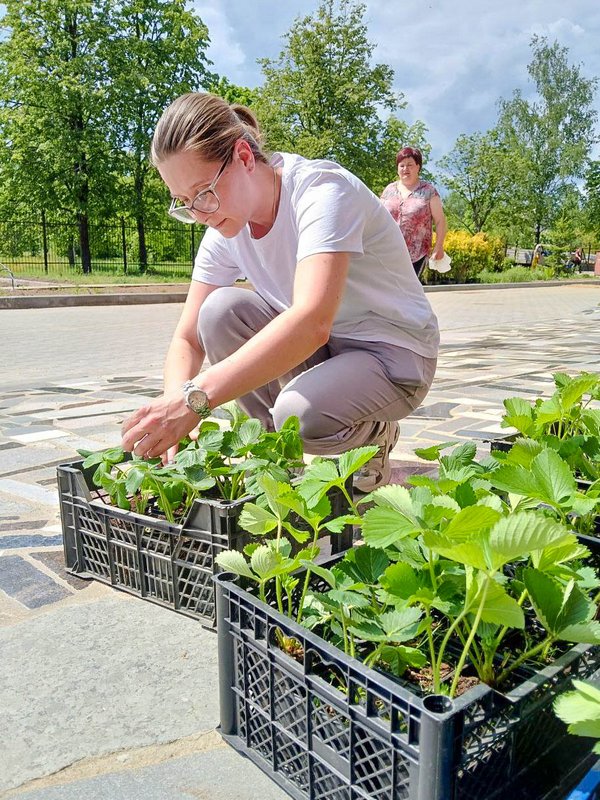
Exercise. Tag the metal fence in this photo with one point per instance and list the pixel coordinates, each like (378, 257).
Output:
(47, 247)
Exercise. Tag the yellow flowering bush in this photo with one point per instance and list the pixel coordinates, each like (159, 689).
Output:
(471, 255)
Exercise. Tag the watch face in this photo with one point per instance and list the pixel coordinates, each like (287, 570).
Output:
(197, 400)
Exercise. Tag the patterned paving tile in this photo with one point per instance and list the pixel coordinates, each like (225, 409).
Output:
(478, 368)
(26, 584)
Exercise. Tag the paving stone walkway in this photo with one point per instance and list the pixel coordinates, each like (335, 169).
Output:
(495, 346)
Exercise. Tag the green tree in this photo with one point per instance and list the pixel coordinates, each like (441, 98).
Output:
(156, 51)
(396, 134)
(592, 200)
(232, 93)
(476, 173)
(549, 139)
(323, 98)
(52, 95)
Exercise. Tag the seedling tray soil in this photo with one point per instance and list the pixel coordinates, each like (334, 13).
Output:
(379, 740)
(166, 563)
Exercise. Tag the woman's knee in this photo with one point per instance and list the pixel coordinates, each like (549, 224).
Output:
(313, 423)
(230, 316)
(216, 309)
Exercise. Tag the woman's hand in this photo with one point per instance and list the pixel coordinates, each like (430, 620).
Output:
(157, 428)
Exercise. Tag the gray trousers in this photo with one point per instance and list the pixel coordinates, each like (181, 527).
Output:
(343, 394)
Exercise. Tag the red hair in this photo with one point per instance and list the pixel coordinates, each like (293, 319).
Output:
(410, 152)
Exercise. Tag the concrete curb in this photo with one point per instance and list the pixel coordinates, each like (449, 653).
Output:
(60, 300)
(178, 296)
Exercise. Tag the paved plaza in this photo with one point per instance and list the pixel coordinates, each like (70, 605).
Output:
(103, 695)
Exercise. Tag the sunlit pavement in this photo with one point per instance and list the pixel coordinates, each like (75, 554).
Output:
(96, 685)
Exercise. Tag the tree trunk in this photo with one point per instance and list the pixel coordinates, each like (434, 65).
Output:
(71, 253)
(84, 242)
(141, 232)
(138, 188)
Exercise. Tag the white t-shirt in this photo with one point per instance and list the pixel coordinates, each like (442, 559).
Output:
(323, 208)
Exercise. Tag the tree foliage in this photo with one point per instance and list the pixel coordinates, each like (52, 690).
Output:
(82, 84)
(323, 98)
(476, 171)
(592, 198)
(52, 94)
(156, 52)
(549, 138)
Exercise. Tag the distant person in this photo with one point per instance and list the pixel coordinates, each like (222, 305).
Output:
(416, 206)
(538, 255)
(577, 259)
(337, 331)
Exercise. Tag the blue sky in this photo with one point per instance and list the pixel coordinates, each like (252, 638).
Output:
(452, 59)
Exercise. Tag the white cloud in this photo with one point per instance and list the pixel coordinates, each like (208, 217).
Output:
(225, 50)
(453, 59)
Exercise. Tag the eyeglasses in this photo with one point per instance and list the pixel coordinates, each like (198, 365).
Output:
(206, 202)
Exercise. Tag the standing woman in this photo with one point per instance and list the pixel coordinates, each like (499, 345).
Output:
(415, 205)
(337, 330)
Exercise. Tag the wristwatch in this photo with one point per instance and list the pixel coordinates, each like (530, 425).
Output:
(196, 399)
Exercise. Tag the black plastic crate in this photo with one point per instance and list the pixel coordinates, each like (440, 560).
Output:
(166, 563)
(379, 740)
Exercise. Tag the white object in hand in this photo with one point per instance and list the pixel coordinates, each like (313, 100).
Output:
(440, 264)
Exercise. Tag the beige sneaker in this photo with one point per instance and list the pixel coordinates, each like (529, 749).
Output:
(377, 471)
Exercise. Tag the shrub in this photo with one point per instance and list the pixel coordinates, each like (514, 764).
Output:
(511, 275)
(471, 255)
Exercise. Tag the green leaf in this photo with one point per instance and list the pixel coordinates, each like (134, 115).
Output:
(553, 476)
(400, 580)
(579, 706)
(467, 552)
(135, 478)
(571, 393)
(395, 497)
(400, 625)
(499, 608)
(559, 554)
(368, 563)
(465, 495)
(274, 491)
(519, 534)
(247, 435)
(352, 460)
(519, 415)
(471, 520)
(432, 453)
(398, 658)
(548, 412)
(256, 519)
(515, 479)
(211, 441)
(383, 527)
(349, 599)
(524, 451)
(265, 561)
(546, 597)
(462, 455)
(582, 633)
(563, 610)
(233, 561)
(322, 572)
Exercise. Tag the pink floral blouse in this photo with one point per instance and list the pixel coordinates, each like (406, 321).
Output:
(413, 215)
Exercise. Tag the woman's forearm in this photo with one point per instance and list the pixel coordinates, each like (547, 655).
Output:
(183, 361)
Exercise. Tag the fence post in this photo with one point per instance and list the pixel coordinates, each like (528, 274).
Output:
(124, 244)
(45, 241)
(192, 227)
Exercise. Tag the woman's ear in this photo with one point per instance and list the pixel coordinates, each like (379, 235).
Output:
(245, 154)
